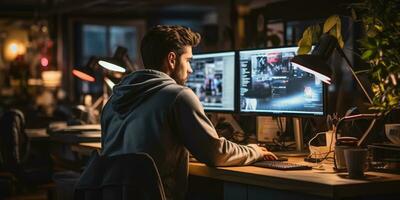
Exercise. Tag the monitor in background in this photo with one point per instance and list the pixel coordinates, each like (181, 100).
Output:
(270, 84)
(213, 80)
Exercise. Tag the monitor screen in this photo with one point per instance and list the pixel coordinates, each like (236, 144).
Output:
(269, 83)
(213, 80)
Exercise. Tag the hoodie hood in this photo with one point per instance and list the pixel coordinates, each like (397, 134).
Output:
(136, 87)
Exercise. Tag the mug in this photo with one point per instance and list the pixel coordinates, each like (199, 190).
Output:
(340, 162)
(356, 161)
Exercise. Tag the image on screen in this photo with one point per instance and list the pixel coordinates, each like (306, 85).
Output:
(269, 83)
(213, 80)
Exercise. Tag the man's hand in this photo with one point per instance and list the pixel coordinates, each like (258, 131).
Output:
(266, 155)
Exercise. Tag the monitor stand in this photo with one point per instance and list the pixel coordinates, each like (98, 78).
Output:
(298, 136)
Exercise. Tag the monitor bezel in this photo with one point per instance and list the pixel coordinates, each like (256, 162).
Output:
(275, 114)
(235, 80)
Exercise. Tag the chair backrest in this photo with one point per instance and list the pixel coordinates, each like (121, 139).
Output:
(14, 142)
(128, 176)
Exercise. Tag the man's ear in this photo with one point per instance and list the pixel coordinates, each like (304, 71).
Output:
(171, 59)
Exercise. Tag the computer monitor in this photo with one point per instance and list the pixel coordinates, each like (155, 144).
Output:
(213, 80)
(270, 84)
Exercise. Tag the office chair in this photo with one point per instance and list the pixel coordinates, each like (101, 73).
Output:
(19, 164)
(127, 176)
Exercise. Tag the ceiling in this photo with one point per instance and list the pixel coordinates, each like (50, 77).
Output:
(275, 9)
(15, 8)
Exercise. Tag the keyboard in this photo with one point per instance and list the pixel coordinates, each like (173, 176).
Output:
(281, 165)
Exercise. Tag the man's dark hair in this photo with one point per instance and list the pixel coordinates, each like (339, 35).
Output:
(161, 40)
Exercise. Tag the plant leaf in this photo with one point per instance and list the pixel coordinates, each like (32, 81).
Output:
(303, 49)
(378, 27)
(316, 33)
(367, 54)
(333, 32)
(340, 41)
(331, 22)
(305, 42)
(338, 28)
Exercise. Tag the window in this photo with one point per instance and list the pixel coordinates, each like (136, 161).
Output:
(101, 40)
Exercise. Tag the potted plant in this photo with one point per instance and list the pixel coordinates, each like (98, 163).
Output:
(380, 48)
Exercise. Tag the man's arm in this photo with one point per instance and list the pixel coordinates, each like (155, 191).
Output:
(200, 138)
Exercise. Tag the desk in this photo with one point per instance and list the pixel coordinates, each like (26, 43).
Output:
(39, 133)
(255, 182)
(75, 134)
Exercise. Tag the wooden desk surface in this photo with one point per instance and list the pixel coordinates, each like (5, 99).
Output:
(324, 183)
(90, 145)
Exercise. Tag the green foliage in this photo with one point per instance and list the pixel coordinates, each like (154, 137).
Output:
(311, 35)
(381, 49)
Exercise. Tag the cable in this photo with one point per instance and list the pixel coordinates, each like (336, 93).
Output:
(321, 153)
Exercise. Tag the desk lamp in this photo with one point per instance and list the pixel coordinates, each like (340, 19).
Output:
(315, 63)
(86, 72)
(119, 62)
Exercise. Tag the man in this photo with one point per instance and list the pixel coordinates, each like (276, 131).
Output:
(152, 111)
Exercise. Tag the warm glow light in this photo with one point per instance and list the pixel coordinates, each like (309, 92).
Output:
(111, 67)
(15, 44)
(51, 78)
(44, 62)
(35, 82)
(83, 76)
(13, 49)
(320, 76)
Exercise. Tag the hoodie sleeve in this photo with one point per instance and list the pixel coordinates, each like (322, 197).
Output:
(201, 139)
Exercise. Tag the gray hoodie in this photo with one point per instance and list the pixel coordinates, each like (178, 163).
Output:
(149, 112)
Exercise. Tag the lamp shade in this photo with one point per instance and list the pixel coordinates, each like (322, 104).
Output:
(316, 62)
(112, 65)
(86, 72)
(315, 65)
(120, 62)
(121, 54)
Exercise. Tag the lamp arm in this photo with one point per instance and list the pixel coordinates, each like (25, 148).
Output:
(354, 74)
(364, 137)
(98, 102)
(359, 116)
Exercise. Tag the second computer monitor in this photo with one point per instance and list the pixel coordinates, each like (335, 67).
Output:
(270, 84)
(213, 80)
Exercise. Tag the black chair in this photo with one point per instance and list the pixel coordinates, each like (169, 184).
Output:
(127, 176)
(20, 165)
